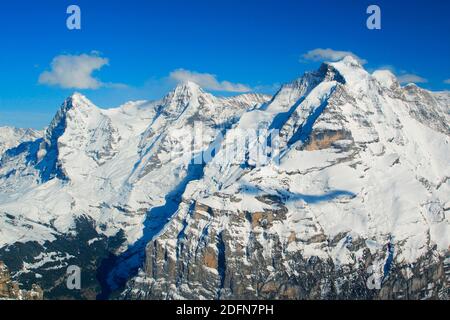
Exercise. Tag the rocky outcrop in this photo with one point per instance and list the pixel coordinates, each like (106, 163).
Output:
(10, 290)
(199, 258)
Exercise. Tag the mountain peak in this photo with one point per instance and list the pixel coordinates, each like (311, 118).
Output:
(183, 92)
(352, 71)
(351, 61)
(386, 78)
(187, 86)
(77, 100)
(77, 95)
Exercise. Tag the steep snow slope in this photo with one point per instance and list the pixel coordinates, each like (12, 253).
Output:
(72, 168)
(359, 184)
(11, 137)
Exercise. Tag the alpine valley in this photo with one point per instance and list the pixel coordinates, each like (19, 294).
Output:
(355, 205)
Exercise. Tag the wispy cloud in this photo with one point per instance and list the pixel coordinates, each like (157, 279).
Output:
(403, 76)
(76, 72)
(320, 54)
(207, 81)
(411, 78)
(447, 81)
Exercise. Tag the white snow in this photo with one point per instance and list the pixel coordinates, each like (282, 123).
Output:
(387, 180)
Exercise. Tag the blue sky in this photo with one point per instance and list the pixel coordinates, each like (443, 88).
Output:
(141, 48)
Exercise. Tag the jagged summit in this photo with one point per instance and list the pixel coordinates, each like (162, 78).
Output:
(183, 94)
(77, 96)
(188, 85)
(187, 88)
(74, 102)
(386, 78)
(351, 61)
(77, 100)
(353, 72)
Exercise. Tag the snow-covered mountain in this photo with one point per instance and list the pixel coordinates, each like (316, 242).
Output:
(96, 173)
(355, 186)
(11, 137)
(359, 193)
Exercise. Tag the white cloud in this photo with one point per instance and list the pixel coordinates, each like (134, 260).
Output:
(403, 76)
(74, 72)
(320, 54)
(207, 81)
(410, 78)
(447, 81)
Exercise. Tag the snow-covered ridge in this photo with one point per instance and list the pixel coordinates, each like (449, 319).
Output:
(96, 162)
(11, 137)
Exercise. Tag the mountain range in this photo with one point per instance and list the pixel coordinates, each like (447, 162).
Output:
(338, 189)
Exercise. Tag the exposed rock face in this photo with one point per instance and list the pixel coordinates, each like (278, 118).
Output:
(192, 261)
(9, 289)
